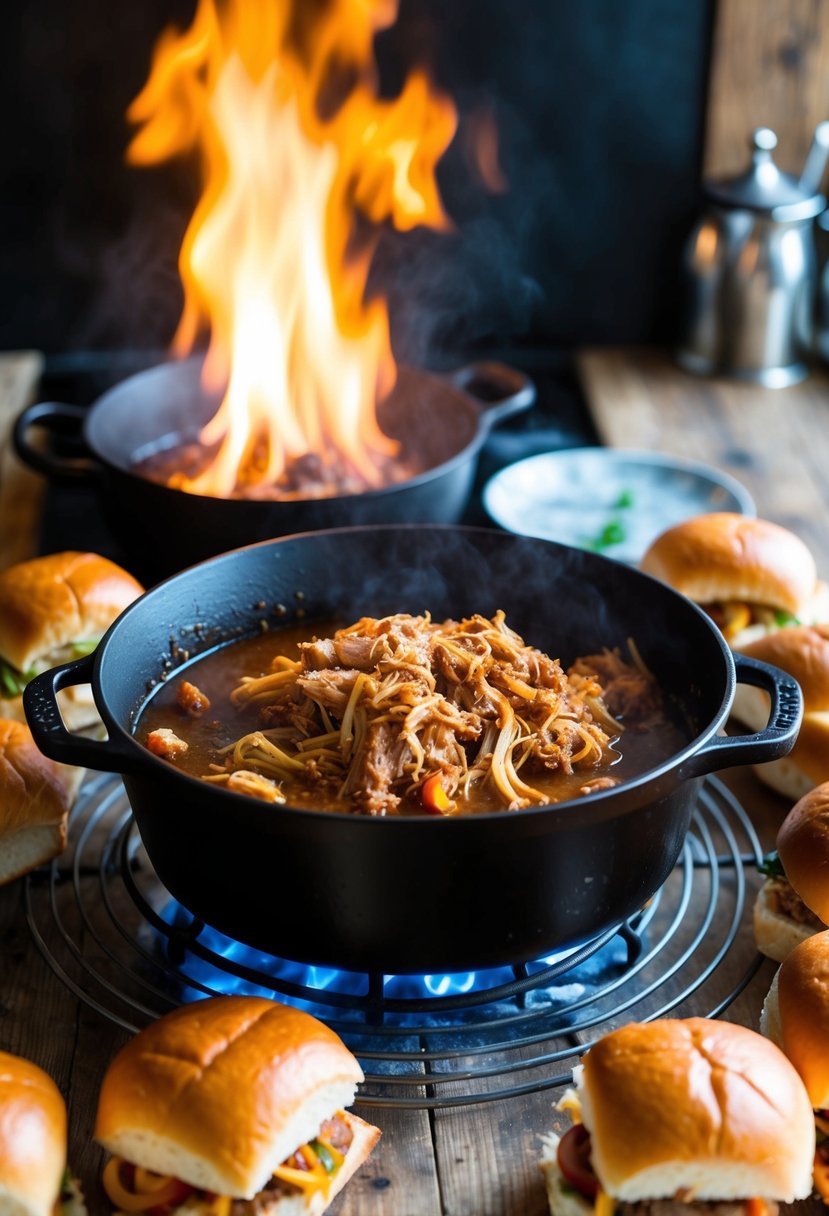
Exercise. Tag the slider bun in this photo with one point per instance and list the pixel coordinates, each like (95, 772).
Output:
(49, 602)
(796, 1014)
(35, 796)
(803, 845)
(698, 1104)
(723, 557)
(32, 1138)
(803, 652)
(220, 1092)
(776, 935)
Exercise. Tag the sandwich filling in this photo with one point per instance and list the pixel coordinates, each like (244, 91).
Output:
(70, 1202)
(820, 1173)
(579, 1181)
(782, 897)
(734, 616)
(311, 1168)
(13, 681)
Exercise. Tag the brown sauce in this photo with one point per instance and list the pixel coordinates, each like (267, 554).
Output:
(218, 673)
(304, 477)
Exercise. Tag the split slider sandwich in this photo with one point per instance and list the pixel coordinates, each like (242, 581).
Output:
(231, 1105)
(681, 1117)
(53, 609)
(750, 575)
(34, 1180)
(803, 652)
(793, 902)
(796, 1017)
(36, 795)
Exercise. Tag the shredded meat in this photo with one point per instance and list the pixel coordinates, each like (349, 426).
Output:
(598, 783)
(629, 693)
(786, 901)
(166, 743)
(334, 1132)
(699, 1207)
(386, 703)
(191, 699)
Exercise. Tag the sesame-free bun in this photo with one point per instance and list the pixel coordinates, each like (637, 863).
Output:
(803, 845)
(35, 796)
(803, 652)
(49, 603)
(698, 1104)
(776, 934)
(796, 1014)
(723, 557)
(220, 1092)
(32, 1138)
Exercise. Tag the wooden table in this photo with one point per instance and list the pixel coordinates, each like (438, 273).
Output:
(475, 1160)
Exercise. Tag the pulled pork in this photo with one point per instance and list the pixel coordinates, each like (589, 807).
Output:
(384, 705)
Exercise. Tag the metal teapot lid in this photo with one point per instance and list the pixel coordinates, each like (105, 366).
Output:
(763, 187)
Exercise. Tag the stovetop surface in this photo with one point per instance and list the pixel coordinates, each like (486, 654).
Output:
(74, 516)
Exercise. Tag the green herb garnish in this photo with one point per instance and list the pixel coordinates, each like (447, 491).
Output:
(324, 1154)
(81, 649)
(12, 681)
(613, 533)
(625, 499)
(772, 866)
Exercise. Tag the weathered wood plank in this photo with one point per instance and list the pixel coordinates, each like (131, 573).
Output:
(776, 441)
(21, 490)
(769, 67)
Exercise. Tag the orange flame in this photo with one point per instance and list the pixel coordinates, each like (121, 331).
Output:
(301, 160)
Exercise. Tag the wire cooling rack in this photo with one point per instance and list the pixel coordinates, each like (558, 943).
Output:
(116, 938)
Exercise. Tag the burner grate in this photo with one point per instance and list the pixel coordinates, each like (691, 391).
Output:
(113, 935)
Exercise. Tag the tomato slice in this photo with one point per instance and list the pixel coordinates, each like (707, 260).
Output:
(574, 1161)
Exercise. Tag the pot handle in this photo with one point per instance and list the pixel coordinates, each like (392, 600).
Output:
(56, 418)
(501, 390)
(775, 740)
(49, 732)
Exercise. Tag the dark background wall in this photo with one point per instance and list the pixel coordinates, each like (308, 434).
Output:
(600, 109)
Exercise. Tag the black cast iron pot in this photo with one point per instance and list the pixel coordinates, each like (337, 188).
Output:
(440, 422)
(416, 894)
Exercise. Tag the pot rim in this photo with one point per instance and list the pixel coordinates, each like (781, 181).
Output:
(480, 418)
(604, 804)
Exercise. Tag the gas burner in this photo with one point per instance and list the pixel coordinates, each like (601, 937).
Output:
(116, 938)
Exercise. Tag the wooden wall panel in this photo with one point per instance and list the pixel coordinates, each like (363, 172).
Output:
(769, 67)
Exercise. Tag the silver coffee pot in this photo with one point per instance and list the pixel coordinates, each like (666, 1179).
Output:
(749, 270)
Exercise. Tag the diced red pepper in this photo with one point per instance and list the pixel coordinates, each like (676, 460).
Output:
(435, 798)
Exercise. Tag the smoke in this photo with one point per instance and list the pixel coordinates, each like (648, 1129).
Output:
(137, 296)
(452, 291)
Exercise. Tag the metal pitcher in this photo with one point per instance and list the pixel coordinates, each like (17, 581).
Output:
(749, 270)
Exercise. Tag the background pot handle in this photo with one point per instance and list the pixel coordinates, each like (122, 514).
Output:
(502, 390)
(775, 740)
(59, 421)
(50, 734)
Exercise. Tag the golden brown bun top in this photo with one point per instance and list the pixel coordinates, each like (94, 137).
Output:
(696, 1103)
(32, 1135)
(803, 1001)
(221, 1091)
(803, 845)
(49, 602)
(33, 789)
(724, 557)
(803, 652)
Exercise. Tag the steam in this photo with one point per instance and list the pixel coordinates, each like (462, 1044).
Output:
(450, 292)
